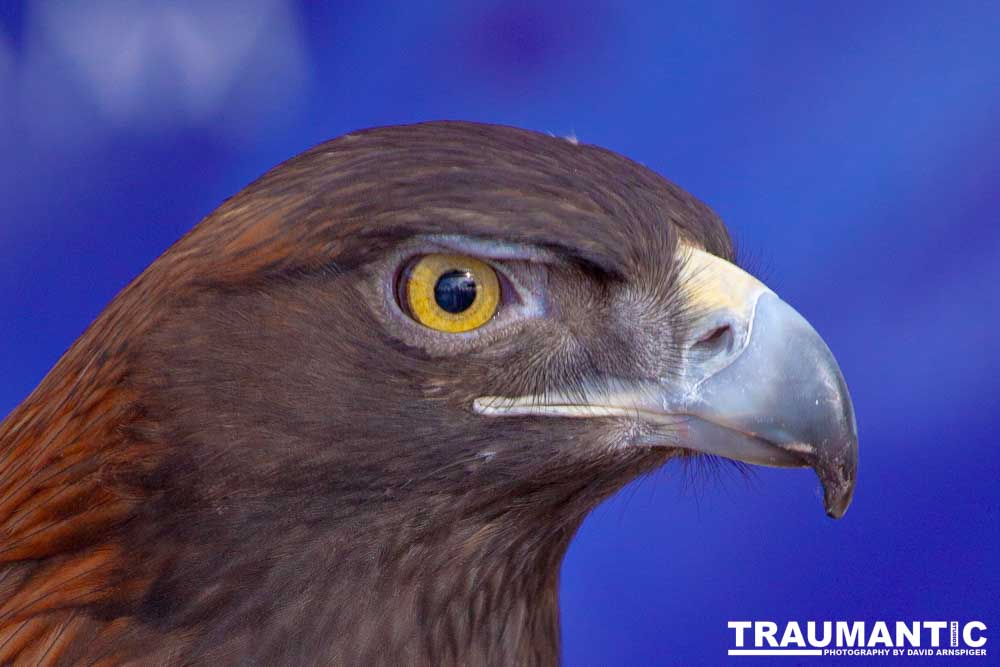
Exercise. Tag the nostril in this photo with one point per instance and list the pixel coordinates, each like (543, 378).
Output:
(715, 341)
(714, 335)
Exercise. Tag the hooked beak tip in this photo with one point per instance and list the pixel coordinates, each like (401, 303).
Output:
(838, 486)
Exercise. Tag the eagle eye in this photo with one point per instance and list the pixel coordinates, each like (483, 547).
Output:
(449, 293)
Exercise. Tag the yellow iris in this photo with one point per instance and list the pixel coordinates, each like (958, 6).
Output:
(452, 293)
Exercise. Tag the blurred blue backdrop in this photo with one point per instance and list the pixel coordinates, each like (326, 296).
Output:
(852, 149)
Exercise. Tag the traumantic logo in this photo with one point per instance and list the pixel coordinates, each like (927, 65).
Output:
(846, 638)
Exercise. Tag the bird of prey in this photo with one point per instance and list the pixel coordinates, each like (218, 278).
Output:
(357, 413)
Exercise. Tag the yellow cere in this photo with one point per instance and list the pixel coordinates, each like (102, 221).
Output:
(420, 293)
(715, 284)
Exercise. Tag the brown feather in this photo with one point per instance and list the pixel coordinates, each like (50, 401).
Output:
(238, 462)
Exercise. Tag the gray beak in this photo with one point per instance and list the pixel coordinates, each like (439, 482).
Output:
(782, 401)
(759, 383)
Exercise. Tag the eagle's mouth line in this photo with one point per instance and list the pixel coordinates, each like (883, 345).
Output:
(494, 406)
(797, 454)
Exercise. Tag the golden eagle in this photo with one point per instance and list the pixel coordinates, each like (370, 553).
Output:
(356, 415)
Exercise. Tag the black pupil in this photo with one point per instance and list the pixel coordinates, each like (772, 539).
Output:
(455, 291)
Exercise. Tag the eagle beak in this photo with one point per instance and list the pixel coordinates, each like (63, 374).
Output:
(757, 384)
(760, 383)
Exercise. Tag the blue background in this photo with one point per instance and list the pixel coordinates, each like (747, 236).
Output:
(852, 149)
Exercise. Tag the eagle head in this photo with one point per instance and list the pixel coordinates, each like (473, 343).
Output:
(358, 412)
